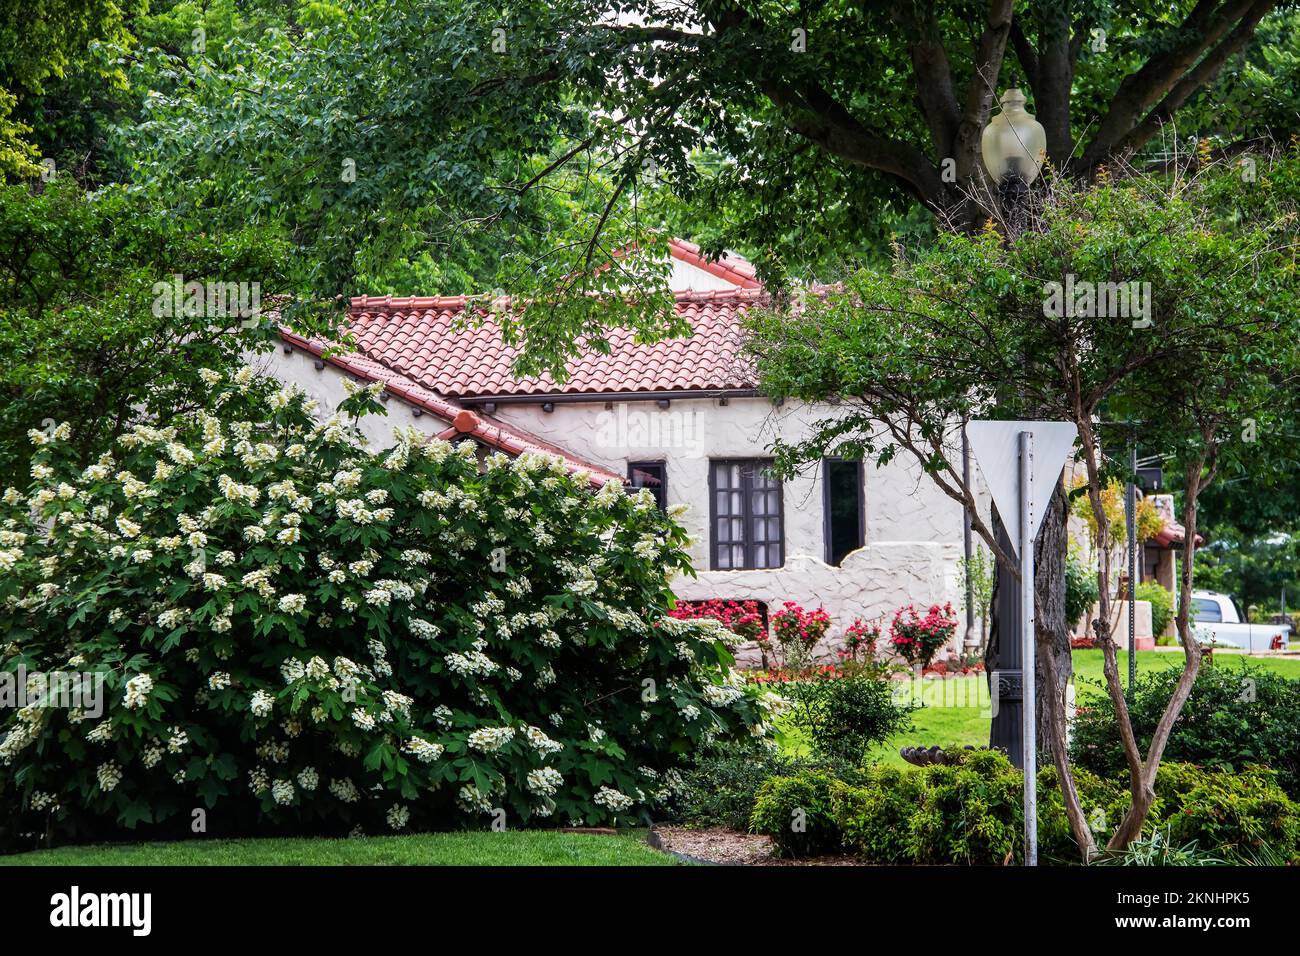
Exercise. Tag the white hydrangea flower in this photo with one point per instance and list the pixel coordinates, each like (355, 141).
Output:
(612, 799)
(109, 776)
(345, 790)
(398, 817)
(545, 781)
(137, 691)
(261, 703)
(541, 743)
(491, 739)
(172, 617)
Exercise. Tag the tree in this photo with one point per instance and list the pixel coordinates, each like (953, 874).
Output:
(913, 354)
(89, 322)
(40, 43)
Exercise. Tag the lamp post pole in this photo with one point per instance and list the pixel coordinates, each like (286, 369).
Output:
(1012, 146)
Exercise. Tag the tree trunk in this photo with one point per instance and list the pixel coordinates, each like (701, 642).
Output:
(1052, 655)
(1053, 631)
(1053, 634)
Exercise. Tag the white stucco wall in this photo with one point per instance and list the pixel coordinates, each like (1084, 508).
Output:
(913, 531)
(686, 276)
(326, 387)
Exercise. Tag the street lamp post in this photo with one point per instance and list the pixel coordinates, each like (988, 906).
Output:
(1012, 147)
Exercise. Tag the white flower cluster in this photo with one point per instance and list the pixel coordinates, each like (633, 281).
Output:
(423, 750)
(293, 603)
(722, 695)
(473, 663)
(261, 703)
(545, 781)
(612, 799)
(541, 743)
(138, 689)
(423, 629)
(109, 776)
(345, 790)
(491, 739)
(398, 817)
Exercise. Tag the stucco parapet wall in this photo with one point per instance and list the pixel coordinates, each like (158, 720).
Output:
(873, 582)
(1119, 621)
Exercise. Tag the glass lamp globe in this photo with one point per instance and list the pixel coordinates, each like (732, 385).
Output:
(1013, 142)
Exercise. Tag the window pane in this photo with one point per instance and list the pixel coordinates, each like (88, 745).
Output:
(843, 509)
(1207, 611)
(747, 515)
(652, 475)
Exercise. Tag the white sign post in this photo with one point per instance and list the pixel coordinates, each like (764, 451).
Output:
(1022, 462)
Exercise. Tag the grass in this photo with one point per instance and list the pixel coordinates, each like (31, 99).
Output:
(511, 848)
(956, 711)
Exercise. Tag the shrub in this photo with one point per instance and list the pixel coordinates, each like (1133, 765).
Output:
(917, 639)
(719, 790)
(797, 632)
(875, 818)
(1103, 800)
(1081, 590)
(1216, 813)
(970, 812)
(844, 716)
(796, 813)
(860, 639)
(1238, 812)
(1162, 605)
(1234, 717)
(312, 637)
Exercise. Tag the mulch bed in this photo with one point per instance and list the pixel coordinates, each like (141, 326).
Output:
(730, 848)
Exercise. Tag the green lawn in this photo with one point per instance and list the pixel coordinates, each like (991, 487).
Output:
(956, 711)
(511, 848)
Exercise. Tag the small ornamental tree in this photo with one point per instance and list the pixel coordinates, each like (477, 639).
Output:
(299, 635)
(1180, 323)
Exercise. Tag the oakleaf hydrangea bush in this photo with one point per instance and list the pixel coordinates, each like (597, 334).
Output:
(298, 635)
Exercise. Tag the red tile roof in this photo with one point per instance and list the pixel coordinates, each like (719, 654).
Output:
(432, 350)
(463, 422)
(459, 352)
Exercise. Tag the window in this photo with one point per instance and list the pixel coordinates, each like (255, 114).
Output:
(652, 475)
(1206, 611)
(842, 508)
(746, 513)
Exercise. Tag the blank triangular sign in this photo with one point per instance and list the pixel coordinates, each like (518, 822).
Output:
(996, 446)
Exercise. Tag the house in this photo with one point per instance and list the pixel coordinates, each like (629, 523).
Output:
(1160, 551)
(683, 418)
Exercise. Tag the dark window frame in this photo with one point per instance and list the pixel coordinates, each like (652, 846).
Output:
(826, 505)
(662, 465)
(749, 466)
